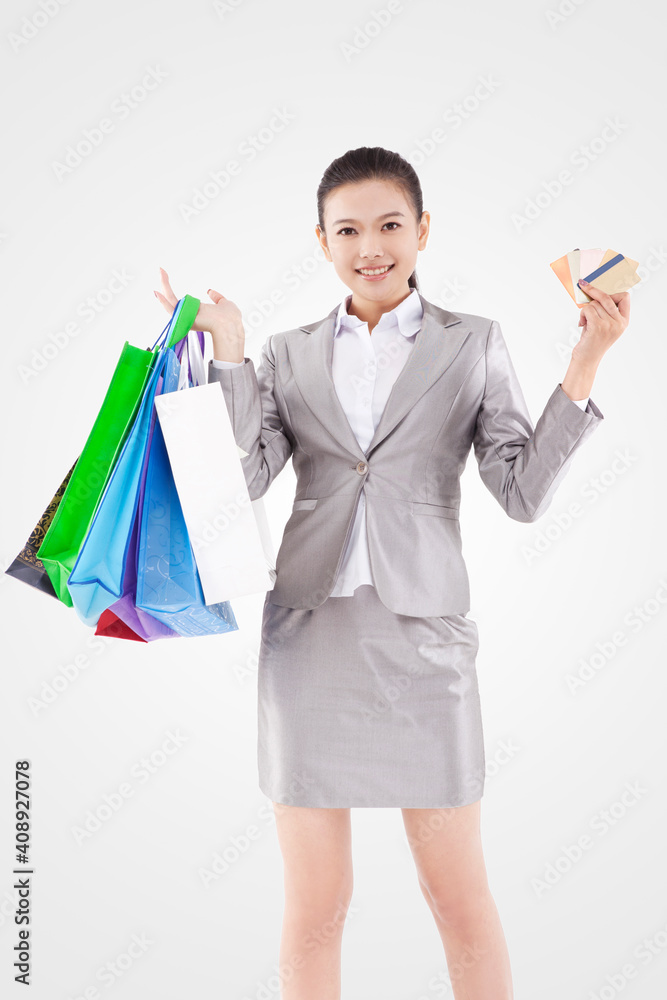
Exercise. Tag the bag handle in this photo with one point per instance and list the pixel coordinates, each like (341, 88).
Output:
(196, 360)
(185, 314)
(191, 358)
(182, 318)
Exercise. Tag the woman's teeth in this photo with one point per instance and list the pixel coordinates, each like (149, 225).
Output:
(376, 270)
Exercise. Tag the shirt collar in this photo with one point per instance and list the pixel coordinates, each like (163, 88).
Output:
(407, 315)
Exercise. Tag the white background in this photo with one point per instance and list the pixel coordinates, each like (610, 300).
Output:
(553, 82)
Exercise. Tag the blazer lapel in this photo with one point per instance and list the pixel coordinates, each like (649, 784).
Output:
(437, 343)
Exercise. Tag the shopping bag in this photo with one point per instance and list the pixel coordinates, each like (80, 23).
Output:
(97, 576)
(73, 517)
(228, 532)
(168, 584)
(70, 524)
(139, 623)
(96, 580)
(27, 566)
(111, 626)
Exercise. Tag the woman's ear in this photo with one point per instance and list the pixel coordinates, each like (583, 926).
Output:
(319, 232)
(424, 229)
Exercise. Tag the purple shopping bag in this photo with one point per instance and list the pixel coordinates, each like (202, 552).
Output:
(138, 621)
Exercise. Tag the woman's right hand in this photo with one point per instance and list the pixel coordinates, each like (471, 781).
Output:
(222, 320)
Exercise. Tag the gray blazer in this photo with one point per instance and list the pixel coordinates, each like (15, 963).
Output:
(458, 389)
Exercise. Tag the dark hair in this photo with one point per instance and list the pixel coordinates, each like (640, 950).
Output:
(371, 163)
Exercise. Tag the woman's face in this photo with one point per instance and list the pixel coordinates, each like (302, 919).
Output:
(371, 225)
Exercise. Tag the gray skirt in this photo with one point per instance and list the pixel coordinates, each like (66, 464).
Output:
(360, 706)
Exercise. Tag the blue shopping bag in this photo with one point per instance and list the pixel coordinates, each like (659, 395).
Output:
(168, 584)
(96, 580)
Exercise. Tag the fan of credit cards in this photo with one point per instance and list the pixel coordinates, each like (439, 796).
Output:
(607, 270)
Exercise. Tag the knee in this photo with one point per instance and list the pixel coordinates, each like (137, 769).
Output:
(461, 908)
(319, 919)
(327, 922)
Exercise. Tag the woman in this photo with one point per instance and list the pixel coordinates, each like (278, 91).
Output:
(367, 690)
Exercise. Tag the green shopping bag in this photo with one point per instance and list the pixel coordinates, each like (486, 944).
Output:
(27, 566)
(76, 510)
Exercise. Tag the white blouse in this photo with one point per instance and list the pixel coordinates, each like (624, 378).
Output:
(364, 370)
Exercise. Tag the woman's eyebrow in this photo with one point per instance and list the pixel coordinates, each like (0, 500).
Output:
(385, 216)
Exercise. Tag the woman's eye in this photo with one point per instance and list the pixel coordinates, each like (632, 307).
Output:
(349, 229)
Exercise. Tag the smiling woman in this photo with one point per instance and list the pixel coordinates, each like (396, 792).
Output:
(366, 239)
(367, 684)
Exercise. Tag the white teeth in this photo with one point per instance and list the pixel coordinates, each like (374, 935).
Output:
(377, 270)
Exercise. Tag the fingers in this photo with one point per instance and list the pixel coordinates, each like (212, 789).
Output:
(162, 299)
(167, 289)
(623, 305)
(169, 300)
(166, 297)
(602, 298)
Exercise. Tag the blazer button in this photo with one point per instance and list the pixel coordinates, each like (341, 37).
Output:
(361, 467)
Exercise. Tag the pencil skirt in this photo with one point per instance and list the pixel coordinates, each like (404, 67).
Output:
(360, 706)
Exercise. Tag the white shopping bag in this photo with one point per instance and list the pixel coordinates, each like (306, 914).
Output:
(229, 533)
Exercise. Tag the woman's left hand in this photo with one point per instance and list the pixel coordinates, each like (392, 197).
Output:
(603, 320)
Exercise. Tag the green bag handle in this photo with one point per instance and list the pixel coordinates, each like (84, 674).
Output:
(182, 319)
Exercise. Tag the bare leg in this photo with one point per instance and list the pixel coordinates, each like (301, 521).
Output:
(317, 855)
(447, 849)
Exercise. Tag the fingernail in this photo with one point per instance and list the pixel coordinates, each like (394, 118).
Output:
(155, 293)
(582, 282)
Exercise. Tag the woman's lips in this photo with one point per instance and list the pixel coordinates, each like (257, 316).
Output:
(374, 277)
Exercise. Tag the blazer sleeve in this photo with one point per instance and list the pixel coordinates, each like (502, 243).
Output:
(255, 419)
(523, 466)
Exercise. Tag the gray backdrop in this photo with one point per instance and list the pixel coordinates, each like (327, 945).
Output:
(535, 128)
